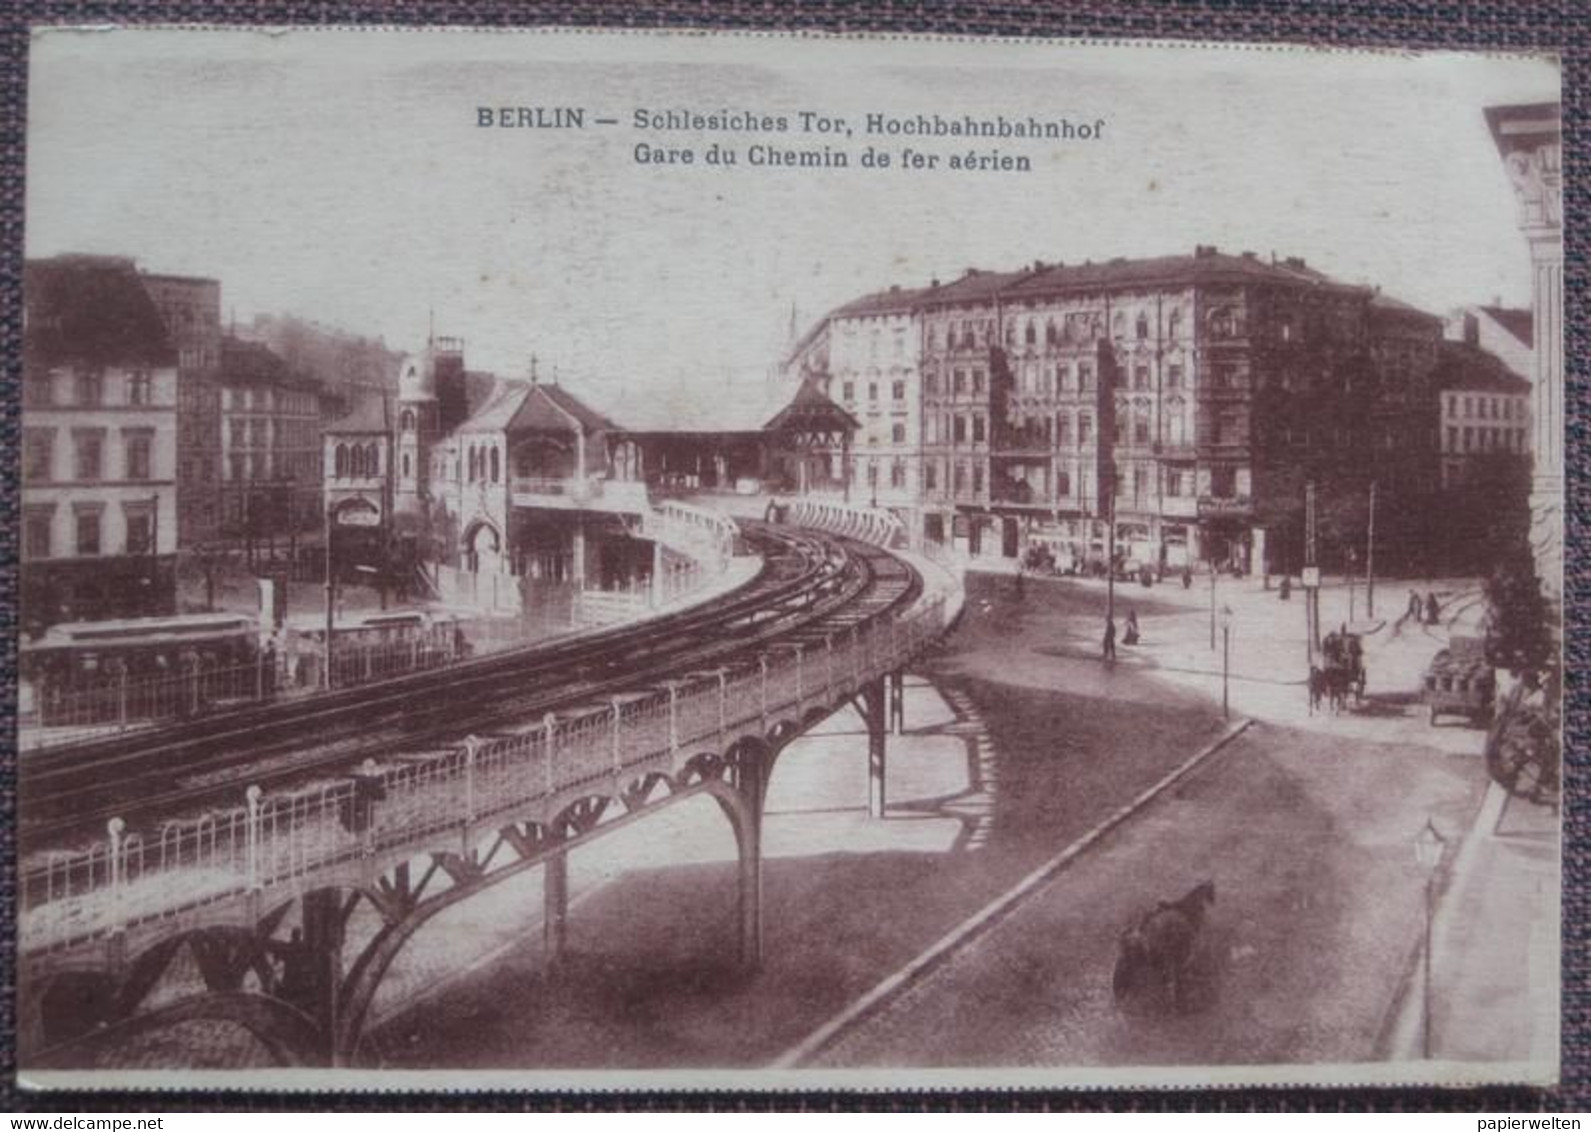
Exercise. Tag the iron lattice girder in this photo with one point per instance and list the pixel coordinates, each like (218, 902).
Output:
(226, 954)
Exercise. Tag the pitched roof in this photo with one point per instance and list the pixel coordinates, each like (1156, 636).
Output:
(895, 300)
(1206, 266)
(976, 286)
(519, 406)
(811, 410)
(92, 310)
(1521, 323)
(368, 412)
(254, 363)
(1467, 368)
(589, 418)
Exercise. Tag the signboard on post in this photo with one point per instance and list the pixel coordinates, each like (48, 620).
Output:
(1311, 577)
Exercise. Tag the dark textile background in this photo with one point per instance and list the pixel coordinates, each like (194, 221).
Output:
(1563, 26)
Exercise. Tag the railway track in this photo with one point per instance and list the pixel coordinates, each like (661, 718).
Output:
(812, 587)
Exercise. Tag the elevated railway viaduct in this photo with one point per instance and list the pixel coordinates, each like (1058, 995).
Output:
(287, 863)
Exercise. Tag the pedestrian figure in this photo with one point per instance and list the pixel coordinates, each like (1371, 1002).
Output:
(1287, 588)
(1432, 610)
(1414, 607)
(1130, 637)
(1187, 578)
(1019, 575)
(1110, 639)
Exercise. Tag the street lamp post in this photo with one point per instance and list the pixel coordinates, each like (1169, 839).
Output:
(1428, 847)
(1212, 604)
(1226, 661)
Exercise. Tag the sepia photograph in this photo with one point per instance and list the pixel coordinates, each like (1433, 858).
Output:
(561, 560)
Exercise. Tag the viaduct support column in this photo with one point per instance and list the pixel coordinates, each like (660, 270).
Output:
(751, 776)
(322, 971)
(871, 703)
(555, 901)
(897, 702)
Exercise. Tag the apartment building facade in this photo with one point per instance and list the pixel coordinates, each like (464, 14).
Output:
(99, 439)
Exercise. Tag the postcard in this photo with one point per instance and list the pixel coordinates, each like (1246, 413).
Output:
(593, 560)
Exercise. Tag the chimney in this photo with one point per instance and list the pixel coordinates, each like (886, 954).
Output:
(1250, 256)
(1203, 251)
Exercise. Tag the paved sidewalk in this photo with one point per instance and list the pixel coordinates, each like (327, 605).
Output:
(1495, 947)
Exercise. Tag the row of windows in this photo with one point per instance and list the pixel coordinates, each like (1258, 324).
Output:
(876, 338)
(198, 357)
(290, 402)
(484, 464)
(88, 454)
(302, 467)
(1134, 425)
(897, 391)
(90, 388)
(897, 474)
(1485, 408)
(1132, 483)
(38, 530)
(1089, 326)
(356, 460)
(1474, 438)
(897, 434)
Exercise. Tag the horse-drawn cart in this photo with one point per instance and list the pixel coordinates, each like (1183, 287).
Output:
(1341, 670)
(1460, 682)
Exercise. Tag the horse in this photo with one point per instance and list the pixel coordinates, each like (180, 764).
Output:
(1155, 952)
(1329, 686)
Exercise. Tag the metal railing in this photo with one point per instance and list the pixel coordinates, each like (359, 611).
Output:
(136, 877)
(708, 536)
(850, 520)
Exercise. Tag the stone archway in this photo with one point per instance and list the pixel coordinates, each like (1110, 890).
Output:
(483, 549)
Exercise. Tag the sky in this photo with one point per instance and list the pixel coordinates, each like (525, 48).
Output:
(342, 176)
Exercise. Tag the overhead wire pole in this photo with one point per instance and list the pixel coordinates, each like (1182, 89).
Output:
(1105, 415)
(1370, 557)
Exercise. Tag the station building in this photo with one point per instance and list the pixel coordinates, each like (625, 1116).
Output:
(516, 495)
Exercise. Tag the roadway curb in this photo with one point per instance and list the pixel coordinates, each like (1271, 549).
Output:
(1401, 1032)
(975, 925)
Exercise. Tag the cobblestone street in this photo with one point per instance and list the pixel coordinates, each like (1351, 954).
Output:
(1318, 903)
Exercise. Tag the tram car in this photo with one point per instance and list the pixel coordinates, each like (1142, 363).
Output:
(89, 673)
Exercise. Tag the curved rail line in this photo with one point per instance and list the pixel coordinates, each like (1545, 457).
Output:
(811, 586)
